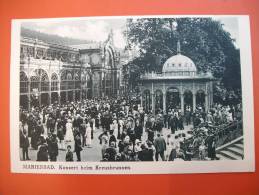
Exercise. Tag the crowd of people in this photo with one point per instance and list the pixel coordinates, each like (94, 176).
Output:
(126, 131)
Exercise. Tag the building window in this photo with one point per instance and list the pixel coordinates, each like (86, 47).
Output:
(54, 82)
(23, 83)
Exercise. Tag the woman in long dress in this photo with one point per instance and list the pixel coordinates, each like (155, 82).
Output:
(115, 128)
(69, 131)
(88, 135)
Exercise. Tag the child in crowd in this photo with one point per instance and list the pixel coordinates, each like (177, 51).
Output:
(69, 154)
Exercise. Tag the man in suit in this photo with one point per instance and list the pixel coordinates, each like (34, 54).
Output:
(25, 145)
(160, 146)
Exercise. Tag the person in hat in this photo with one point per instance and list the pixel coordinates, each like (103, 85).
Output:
(69, 154)
(106, 157)
(137, 146)
(105, 145)
(53, 147)
(138, 130)
(211, 146)
(160, 146)
(111, 151)
(78, 145)
(60, 134)
(25, 145)
(112, 139)
(88, 134)
(146, 153)
(42, 154)
(202, 150)
(69, 131)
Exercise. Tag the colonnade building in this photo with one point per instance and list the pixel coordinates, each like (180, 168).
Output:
(57, 73)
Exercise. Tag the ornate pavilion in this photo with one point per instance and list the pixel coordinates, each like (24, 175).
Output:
(178, 86)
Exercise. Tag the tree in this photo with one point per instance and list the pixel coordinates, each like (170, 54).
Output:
(202, 39)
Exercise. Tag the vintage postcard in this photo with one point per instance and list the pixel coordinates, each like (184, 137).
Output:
(132, 95)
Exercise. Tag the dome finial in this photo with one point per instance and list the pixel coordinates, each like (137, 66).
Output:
(178, 47)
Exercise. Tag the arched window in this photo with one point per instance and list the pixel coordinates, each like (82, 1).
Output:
(35, 81)
(173, 98)
(200, 98)
(147, 100)
(77, 81)
(23, 83)
(63, 80)
(44, 81)
(54, 82)
(70, 82)
(158, 100)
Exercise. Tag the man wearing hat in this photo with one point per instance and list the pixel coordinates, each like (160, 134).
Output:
(160, 146)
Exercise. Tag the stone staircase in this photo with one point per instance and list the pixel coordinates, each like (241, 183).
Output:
(231, 151)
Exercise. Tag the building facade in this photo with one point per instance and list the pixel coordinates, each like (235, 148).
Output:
(57, 73)
(178, 86)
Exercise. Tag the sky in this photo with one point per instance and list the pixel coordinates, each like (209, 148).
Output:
(98, 29)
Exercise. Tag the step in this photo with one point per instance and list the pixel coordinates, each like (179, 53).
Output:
(230, 155)
(236, 150)
(222, 157)
(238, 145)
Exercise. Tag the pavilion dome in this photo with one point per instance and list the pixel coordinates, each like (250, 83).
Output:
(179, 63)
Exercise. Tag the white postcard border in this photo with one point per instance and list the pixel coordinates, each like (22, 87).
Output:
(245, 165)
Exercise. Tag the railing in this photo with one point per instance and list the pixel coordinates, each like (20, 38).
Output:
(223, 134)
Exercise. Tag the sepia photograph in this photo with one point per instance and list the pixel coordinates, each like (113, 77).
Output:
(168, 91)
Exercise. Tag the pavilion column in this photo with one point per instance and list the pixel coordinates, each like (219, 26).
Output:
(206, 103)
(50, 92)
(153, 103)
(39, 98)
(211, 94)
(141, 100)
(49, 97)
(29, 94)
(74, 94)
(194, 102)
(81, 94)
(182, 102)
(164, 102)
(59, 98)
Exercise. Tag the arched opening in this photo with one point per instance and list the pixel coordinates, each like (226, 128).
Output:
(89, 85)
(69, 80)
(63, 80)
(35, 89)
(24, 89)
(77, 95)
(63, 98)
(147, 100)
(54, 97)
(24, 102)
(70, 96)
(77, 81)
(54, 82)
(83, 84)
(110, 82)
(44, 80)
(44, 99)
(188, 100)
(158, 101)
(23, 83)
(173, 98)
(200, 99)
